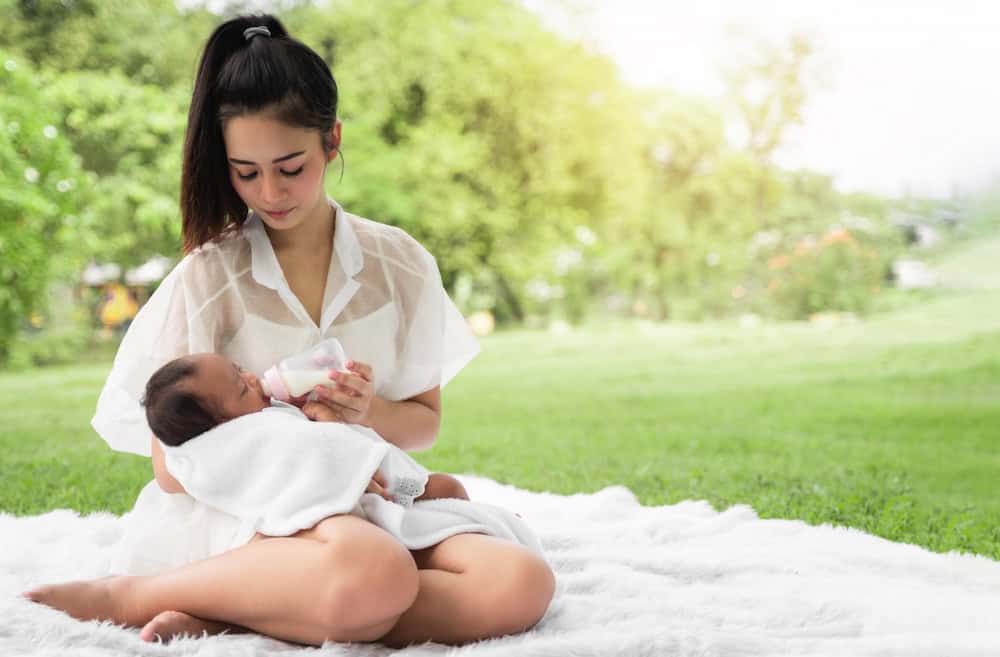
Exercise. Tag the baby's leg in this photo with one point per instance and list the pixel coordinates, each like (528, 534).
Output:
(443, 486)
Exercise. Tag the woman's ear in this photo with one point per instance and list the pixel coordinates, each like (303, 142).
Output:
(332, 140)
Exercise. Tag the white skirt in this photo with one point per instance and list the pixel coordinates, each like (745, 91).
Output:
(164, 531)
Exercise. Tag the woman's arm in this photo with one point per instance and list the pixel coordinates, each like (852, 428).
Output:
(166, 481)
(410, 424)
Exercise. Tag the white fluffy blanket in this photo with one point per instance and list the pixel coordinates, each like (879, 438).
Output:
(632, 580)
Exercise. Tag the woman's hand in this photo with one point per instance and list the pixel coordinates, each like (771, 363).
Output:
(299, 401)
(349, 398)
(318, 411)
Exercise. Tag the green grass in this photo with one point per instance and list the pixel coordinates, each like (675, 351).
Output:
(891, 425)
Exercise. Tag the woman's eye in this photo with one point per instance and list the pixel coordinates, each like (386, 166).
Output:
(289, 174)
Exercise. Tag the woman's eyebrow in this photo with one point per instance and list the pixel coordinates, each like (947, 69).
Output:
(274, 161)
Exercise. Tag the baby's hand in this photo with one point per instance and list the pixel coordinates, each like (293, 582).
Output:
(377, 485)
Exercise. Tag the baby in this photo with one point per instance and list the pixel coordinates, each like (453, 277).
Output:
(193, 394)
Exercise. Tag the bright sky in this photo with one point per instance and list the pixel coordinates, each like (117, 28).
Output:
(913, 97)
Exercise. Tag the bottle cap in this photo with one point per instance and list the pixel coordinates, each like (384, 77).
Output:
(274, 386)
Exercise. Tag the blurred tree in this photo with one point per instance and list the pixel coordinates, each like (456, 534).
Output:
(522, 161)
(768, 87)
(674, 241)
(130, 136)
(150, 41)
(41, 189)
(482, 134)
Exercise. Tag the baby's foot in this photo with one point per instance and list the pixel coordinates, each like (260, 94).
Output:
(169, 624)
(84, 600)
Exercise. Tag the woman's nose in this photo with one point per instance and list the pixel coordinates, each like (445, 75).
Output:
(273, 189)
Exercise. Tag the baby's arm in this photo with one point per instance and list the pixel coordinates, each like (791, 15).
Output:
(442, 486)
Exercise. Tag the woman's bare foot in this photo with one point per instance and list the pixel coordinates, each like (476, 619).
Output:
(169, 624)
(85, 600)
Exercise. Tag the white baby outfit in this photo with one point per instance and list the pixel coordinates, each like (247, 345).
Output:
(383, 300)
(241, 467)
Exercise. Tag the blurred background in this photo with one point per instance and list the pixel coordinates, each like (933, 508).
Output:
(565, 160)
(773, 226)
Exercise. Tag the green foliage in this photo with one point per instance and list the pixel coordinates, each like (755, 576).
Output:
(63, 333)
(56, 346)
(40, 187)
(149, 41)
(130, 135)
(833, 273)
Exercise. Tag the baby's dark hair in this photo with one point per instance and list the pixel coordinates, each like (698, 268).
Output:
(176, 415)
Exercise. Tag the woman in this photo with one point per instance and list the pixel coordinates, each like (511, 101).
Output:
(274, 266)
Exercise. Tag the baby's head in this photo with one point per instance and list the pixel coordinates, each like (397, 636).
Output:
(192, 394)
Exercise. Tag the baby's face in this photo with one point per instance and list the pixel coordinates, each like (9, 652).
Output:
(226, 386)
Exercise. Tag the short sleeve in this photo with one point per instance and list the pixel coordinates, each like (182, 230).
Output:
(436, 342)
(167, 326)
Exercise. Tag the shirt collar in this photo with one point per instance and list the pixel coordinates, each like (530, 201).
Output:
(264, 263)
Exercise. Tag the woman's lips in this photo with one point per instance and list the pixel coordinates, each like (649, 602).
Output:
(278, 214)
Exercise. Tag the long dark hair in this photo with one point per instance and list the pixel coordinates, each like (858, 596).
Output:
(237, 76)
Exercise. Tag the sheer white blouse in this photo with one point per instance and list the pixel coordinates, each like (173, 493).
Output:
(383, 300)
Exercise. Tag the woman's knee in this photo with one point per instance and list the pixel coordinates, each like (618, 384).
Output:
(524, 594)
(372, 580)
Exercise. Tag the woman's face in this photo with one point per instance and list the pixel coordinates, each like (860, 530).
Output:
(277, 169)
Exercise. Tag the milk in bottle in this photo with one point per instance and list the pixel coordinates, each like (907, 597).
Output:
(296, 375)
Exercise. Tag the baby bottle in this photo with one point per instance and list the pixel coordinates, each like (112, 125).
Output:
(296, 375)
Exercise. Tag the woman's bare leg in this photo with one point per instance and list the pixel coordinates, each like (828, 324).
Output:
(474, 587)
(457, 602)
(343, 580)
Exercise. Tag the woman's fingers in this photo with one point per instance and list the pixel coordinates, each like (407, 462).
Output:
(320, 412)
(299, 401)
(362, 369)
(350, 383)
(351, 392)
(342, 399)
(347, 383)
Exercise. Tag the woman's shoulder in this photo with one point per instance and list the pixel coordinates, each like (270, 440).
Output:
(390, 243)
(216, 261)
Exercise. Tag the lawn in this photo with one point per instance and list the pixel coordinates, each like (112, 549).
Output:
(891, 425)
